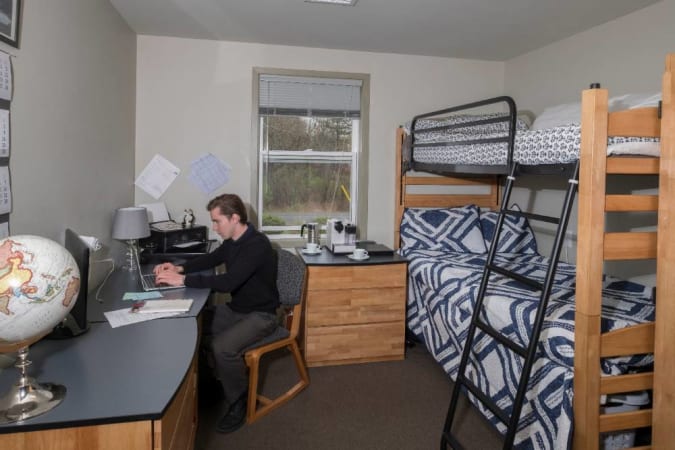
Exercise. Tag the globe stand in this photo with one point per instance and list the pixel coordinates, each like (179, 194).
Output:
(27, 398)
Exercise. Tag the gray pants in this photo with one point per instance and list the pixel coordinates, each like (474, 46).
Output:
(228, 334)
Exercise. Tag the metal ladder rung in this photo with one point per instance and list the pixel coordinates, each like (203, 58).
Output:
(514, 276)
(515, 348)
(485, 400)
(532, 216)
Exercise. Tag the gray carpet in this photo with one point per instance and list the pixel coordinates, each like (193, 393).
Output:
(386, 405)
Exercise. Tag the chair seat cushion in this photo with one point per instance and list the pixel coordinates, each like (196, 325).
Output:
(277, 335)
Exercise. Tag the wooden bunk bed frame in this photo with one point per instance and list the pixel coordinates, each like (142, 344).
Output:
(594, 246)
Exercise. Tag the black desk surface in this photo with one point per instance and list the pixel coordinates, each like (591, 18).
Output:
(111, 375)
(327, 258)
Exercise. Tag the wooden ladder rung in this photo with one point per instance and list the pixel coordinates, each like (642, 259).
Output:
(634, 122)
(445, 201)
(640, 165)
(635, 340)
(630, 245)
(625, 420)
(631, 202)
(626, 383)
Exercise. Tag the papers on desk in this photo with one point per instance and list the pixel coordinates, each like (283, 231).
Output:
(150, 309)
(122, 317)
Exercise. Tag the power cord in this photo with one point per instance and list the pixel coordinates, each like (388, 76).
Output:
(112, 268)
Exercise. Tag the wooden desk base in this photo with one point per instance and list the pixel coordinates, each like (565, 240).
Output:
(175, 431)
(354, 313)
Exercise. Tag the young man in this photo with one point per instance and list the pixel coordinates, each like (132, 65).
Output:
(250, 278)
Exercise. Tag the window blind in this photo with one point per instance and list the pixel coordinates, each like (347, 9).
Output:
(309, 96)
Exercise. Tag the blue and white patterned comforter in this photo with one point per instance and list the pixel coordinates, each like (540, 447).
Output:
(443, 287)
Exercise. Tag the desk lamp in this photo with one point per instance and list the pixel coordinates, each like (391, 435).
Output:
(130, 224)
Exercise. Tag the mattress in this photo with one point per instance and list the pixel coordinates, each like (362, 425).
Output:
(443, 287)
(557, 145)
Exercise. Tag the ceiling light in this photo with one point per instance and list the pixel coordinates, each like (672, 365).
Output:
(334, 2)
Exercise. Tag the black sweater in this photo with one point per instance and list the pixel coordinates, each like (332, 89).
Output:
(251, 272)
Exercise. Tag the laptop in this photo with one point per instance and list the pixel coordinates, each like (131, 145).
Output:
(148, 279)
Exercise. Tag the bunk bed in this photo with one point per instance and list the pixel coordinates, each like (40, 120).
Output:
(582, 341)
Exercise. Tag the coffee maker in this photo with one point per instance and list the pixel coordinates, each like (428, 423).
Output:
(340, 236)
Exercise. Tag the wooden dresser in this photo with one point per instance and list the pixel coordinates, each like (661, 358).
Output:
(354, 311)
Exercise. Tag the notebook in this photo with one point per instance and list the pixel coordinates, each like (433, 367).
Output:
(159, 306)
(148, 279)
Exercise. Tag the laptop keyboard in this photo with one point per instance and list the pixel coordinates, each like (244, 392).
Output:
(148, 281)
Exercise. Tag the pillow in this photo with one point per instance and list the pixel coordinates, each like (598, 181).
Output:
(568, 113)
(556, 116)
(633, 101)
(516, 235)
(445, 229)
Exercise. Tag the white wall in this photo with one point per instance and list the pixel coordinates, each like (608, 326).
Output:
(624, 55)
(194, 96)
(72, 118)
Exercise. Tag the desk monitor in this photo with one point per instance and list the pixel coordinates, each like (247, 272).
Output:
(75, 323)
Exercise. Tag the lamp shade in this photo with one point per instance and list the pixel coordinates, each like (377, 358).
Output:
(130, 223)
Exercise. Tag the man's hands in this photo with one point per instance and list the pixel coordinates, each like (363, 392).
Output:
(170, 274)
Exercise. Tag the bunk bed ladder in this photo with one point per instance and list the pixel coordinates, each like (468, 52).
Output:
(463, 383)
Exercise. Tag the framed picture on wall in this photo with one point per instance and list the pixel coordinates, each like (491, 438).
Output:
(10, 16)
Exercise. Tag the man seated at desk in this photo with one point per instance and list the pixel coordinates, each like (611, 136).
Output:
(251, 265)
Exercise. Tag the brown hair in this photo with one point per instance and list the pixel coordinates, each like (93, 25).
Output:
(229, 204)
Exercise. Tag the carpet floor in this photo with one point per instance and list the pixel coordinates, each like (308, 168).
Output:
(383, 405)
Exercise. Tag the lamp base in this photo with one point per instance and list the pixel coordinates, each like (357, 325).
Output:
(130, 258)
(27, 398)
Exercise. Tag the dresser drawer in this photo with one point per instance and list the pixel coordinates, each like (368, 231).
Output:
(354, 277)
(354, 306)
(355, 343)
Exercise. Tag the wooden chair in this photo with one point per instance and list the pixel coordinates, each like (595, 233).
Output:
(291, 284)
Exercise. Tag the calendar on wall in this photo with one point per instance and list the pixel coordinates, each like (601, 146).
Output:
(5, 142)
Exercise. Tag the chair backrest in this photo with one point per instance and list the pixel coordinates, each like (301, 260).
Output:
(290, 277)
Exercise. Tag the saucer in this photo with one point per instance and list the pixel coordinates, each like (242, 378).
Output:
(355, 258)
(307, 252)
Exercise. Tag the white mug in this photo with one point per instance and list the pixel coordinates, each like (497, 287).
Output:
(360, 253)
(312, 247)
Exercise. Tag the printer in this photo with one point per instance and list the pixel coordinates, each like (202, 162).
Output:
(172, 237)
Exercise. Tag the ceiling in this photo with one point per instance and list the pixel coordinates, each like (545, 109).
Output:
(477, 29)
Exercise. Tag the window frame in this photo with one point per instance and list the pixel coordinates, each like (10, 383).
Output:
(361, 161)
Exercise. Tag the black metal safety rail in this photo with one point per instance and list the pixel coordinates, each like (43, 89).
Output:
(528, 353)
(508, 137)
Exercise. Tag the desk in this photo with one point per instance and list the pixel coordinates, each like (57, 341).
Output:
(354, 310)
(132, 387)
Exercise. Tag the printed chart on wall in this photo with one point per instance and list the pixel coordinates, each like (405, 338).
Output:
(6, 88)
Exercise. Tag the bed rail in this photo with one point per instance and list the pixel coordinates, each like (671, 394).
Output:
(507, 137)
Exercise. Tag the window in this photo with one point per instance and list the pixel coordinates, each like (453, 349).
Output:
(310, 153)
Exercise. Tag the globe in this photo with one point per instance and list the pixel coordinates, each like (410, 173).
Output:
(39, 283)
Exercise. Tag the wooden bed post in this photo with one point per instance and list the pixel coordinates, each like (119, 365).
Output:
(663, 426)
(399, 188)
(591, 227)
